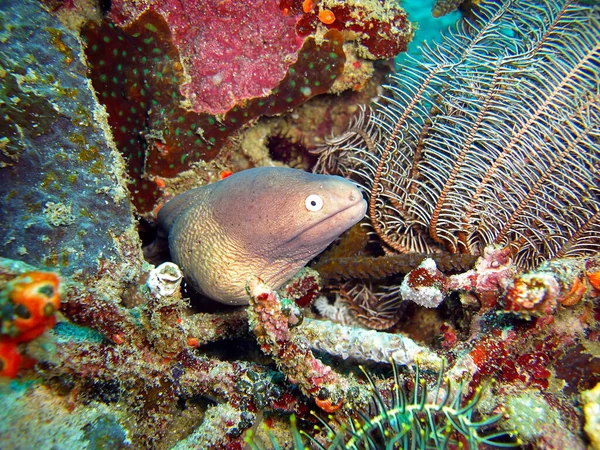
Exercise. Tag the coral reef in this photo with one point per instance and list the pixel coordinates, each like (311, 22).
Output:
(159, 135)
(165, 122)
(220, 77)
(379, 29)
(491, 276)
(461, 342)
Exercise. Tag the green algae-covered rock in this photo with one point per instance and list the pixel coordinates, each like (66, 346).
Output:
(63, 200)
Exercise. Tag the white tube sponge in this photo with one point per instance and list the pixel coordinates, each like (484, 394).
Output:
(164, 280)
(365, 345)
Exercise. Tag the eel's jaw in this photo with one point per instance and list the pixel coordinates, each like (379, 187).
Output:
(303, 247)
(325, 231)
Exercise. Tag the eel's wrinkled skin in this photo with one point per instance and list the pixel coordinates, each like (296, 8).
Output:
(266, 222)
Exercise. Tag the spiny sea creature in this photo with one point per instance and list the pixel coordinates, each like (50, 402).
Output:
(492, 139)
(420, 419)
(266, 222)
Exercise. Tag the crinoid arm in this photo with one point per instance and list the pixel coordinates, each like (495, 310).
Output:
(492, 137)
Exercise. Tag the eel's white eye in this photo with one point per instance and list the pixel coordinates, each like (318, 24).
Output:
(314, 202)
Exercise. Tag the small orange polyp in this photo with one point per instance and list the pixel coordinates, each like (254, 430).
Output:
(118, 339)
(594, 278)
(224, 174)
(574, 295)
(327, 406)
(326, 16)
(307, 6)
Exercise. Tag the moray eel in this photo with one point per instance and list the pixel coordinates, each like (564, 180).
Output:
(266, 222)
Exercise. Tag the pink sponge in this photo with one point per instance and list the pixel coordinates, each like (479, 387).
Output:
(231, 50)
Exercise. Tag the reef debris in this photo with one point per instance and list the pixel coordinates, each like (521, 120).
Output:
(165, 279)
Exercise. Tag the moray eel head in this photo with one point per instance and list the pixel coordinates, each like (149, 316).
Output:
(266, 222)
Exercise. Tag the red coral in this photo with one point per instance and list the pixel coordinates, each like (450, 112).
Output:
(10, 358)
(533, 294)
(303, 288)
(28, 304)
(490, 353)
(383, 32)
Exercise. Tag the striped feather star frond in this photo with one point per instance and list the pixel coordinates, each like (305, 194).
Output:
(492, 137)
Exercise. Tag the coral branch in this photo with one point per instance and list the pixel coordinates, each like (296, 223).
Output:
(292, 355)
(427, 286)
(366, 345)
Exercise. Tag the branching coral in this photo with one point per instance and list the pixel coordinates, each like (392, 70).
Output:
(270, 326)
(144, 360)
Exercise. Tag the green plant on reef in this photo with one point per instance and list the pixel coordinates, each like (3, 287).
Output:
(421, 419)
